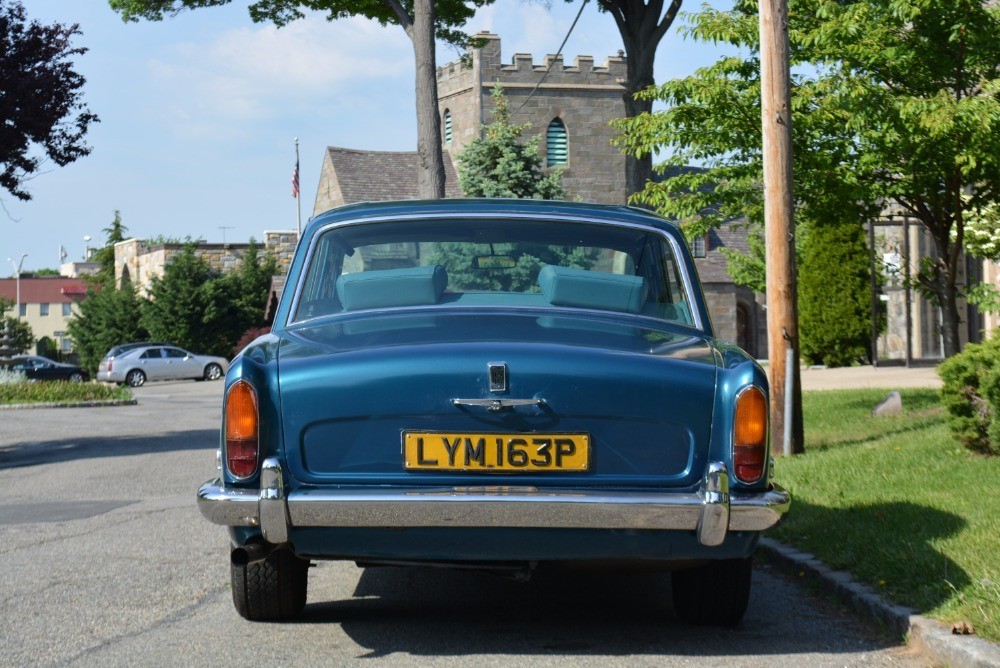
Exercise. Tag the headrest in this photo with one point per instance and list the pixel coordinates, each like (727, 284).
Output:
(592, 289)
(410, 286)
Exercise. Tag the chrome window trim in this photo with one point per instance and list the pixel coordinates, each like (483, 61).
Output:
(562, 217)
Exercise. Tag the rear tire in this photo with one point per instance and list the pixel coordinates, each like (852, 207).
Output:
(715, 594)
(213, 372)
(272, 589)
(135, 378)
(76, 377)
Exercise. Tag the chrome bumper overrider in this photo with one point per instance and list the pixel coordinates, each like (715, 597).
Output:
(711, 511)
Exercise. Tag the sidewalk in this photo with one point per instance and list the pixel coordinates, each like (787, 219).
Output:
(887, 377)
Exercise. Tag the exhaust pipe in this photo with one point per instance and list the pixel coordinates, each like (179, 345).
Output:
(251, 552)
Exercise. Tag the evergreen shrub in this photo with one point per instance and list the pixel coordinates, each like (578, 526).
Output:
(971, 395)
(835, 295)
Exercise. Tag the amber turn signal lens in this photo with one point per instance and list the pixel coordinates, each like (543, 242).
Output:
(751, 418)
(241, 430)
(750, 435)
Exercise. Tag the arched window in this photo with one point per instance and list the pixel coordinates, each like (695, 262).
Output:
(446, 122)
(556, 144)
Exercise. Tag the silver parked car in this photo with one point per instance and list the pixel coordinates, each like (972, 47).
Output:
(156, 362)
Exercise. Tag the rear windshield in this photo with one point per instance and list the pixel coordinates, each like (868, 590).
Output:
(493, 262)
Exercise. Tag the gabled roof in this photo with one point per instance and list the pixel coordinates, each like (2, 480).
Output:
(375, 176)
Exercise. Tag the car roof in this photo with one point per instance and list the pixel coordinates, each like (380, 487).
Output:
(125, 347)
(500, 207)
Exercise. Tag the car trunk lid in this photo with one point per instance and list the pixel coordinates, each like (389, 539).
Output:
(637, 399)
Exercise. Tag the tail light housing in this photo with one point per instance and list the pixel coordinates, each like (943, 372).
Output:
(242, 430)
(750, 435)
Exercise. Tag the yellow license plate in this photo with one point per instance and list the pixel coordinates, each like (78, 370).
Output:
(445, 451)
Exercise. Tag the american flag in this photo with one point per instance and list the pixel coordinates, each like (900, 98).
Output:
(295, 181)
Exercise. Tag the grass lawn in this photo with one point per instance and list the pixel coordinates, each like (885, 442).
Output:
(898, 503)
(60, 392)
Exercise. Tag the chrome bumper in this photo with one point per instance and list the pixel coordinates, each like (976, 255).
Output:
(711, 511)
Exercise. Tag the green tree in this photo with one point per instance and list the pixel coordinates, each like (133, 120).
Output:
(42, 115)
(46, 347)
(982, 241)
(235, 302)
(901, 106)
(642, 25)
(178, 301)
(105, 255)
(422, 20)
(835, 305)
(203, 311)
(107, 317)
(502, 163)
(15, 334)
(108, 314)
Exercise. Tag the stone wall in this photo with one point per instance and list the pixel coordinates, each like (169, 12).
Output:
(724, 301)
(328, 194)
(891, 249)
(138, 262)
(586, 98)
(281, 245)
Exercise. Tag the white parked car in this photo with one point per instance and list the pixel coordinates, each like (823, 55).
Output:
(135, 367)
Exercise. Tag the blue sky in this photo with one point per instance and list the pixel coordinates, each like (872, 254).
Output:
(199, 114)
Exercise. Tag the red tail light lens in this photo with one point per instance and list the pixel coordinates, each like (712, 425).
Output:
(750, 435)
(241, 430)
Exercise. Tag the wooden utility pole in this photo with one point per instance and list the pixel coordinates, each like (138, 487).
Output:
(782, 310)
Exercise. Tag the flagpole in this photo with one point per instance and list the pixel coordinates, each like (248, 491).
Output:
(298, 203)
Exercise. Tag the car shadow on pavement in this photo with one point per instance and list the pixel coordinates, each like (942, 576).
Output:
(55, 451)
(428, 612)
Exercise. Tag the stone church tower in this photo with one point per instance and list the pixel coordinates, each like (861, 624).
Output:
(570, 109)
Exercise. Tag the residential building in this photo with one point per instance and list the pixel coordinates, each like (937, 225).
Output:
(48, 303)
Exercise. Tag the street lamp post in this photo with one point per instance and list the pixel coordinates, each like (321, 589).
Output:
(17, 280)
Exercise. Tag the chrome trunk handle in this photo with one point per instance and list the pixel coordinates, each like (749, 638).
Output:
(497, 405)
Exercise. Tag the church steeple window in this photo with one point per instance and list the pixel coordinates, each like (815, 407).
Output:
(556, 144)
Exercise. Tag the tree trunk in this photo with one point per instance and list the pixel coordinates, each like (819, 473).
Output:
(947, 292)
(430, 161)
(641, 27)
(638, 171)
(950, 321)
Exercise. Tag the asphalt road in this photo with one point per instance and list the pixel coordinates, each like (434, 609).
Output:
(106, 561)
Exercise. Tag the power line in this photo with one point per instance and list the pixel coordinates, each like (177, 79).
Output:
(553, 61)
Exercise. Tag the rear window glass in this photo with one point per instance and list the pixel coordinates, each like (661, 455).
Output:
(493, 262)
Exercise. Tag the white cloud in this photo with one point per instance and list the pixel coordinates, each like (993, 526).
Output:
(256, 73)
(539, 28)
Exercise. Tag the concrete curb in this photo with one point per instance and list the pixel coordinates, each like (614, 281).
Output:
(931, 638)
(97, 403)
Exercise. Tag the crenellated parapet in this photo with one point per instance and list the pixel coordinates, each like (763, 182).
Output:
(523, 69)
(584, 97)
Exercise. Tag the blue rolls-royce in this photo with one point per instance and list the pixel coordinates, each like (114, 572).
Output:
(494, 384)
